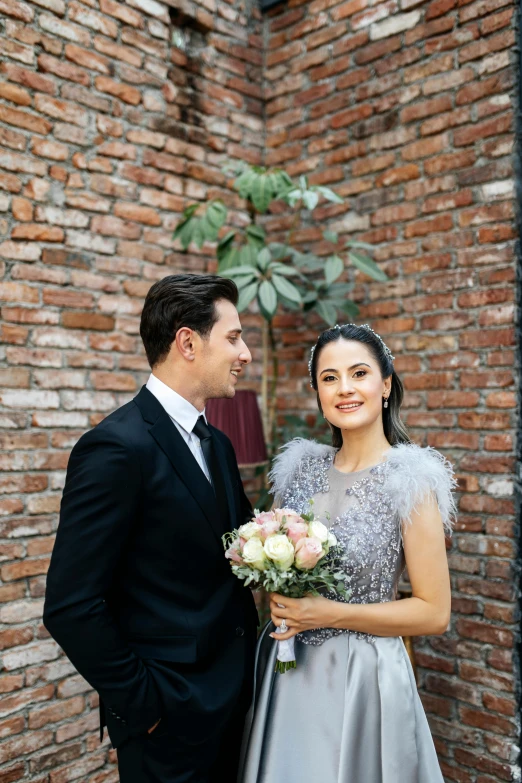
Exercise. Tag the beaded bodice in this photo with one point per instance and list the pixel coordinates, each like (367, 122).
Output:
(366, 511)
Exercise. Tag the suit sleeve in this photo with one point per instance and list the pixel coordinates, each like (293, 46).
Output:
(100, 501)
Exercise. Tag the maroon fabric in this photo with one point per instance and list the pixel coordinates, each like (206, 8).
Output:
(240, 419)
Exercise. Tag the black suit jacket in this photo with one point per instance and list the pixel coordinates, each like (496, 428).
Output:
(138, 569)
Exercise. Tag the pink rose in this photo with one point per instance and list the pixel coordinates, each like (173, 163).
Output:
(268, 523)
(308, 552)
(296, 530)
(233, 552)
(269, 528)
(288, 514)
(264, 516)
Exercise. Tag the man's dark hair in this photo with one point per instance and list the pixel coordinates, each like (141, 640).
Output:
(177, 301)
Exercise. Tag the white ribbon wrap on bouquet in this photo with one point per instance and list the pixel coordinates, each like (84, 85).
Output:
(285, 649)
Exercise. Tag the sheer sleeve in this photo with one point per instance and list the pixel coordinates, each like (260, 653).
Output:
(417, 473)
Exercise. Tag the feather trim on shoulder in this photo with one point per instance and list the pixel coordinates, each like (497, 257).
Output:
(289, 460)
(416, 473)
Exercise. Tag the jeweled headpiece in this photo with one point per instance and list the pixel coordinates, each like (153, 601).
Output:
(359, 326)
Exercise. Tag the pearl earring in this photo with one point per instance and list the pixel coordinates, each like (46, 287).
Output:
(385, 402)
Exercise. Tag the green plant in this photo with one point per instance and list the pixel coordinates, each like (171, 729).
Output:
(277, 274)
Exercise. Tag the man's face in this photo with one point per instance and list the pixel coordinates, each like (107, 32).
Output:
(223, 353)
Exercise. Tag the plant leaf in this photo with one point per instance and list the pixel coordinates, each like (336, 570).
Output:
(241, 271)
(293, 196)
(331, 236)
(327, 311)
(329, 195)
(248, 255)
(264, 257)
(230, 259)
(350, 308)
(267, 296)
(246, 295)
(283, 269)
(261, 193)
(216, 214)
(357, 243)
(186, 232)
(286, 289)
(255, 235)
(333, 268)
(310, 199)
(243, 184)
(367, 266)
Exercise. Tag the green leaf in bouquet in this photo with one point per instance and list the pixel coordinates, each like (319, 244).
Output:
(333, 268)
(267, 297)
(286, 289)
(367, 266)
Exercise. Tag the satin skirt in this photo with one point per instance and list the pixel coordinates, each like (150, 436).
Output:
(349, 713)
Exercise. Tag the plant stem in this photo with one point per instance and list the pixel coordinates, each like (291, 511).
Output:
(264, 380)
(272, 405)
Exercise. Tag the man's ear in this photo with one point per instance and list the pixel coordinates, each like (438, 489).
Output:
(185, 343)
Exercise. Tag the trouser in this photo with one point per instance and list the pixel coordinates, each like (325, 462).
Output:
(198, 739)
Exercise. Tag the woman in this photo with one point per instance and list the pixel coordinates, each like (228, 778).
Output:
(350, 712)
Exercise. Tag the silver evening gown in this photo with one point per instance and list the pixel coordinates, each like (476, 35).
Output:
(350, 712)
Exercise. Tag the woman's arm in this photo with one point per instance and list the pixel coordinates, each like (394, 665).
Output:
(426, 612)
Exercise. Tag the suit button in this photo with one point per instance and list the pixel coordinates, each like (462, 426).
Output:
(240, 631)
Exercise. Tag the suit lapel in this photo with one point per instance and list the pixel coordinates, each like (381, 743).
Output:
(166, 435)
(223, 461)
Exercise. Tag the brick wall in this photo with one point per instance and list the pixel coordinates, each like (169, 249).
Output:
(107, 130)
(406, 110)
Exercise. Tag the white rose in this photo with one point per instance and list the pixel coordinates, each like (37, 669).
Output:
(332, 540)
(249, 530)
(318, 530)
(254, 554)
(280, 551)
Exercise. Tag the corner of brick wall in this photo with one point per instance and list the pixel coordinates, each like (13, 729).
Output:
(107, 131)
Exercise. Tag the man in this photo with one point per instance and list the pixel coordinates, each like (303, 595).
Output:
(139, 593)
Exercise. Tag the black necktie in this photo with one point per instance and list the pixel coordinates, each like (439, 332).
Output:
(202, 431)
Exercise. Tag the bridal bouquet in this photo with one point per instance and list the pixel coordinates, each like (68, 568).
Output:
(288, 553)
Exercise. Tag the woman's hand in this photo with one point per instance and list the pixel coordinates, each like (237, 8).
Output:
(301, 614)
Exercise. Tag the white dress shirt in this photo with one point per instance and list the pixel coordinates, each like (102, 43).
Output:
(183, 414)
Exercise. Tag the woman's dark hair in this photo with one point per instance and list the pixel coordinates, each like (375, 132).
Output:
(394, 429)
(177, 301)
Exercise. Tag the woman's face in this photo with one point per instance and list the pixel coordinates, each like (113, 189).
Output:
(351, 388)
